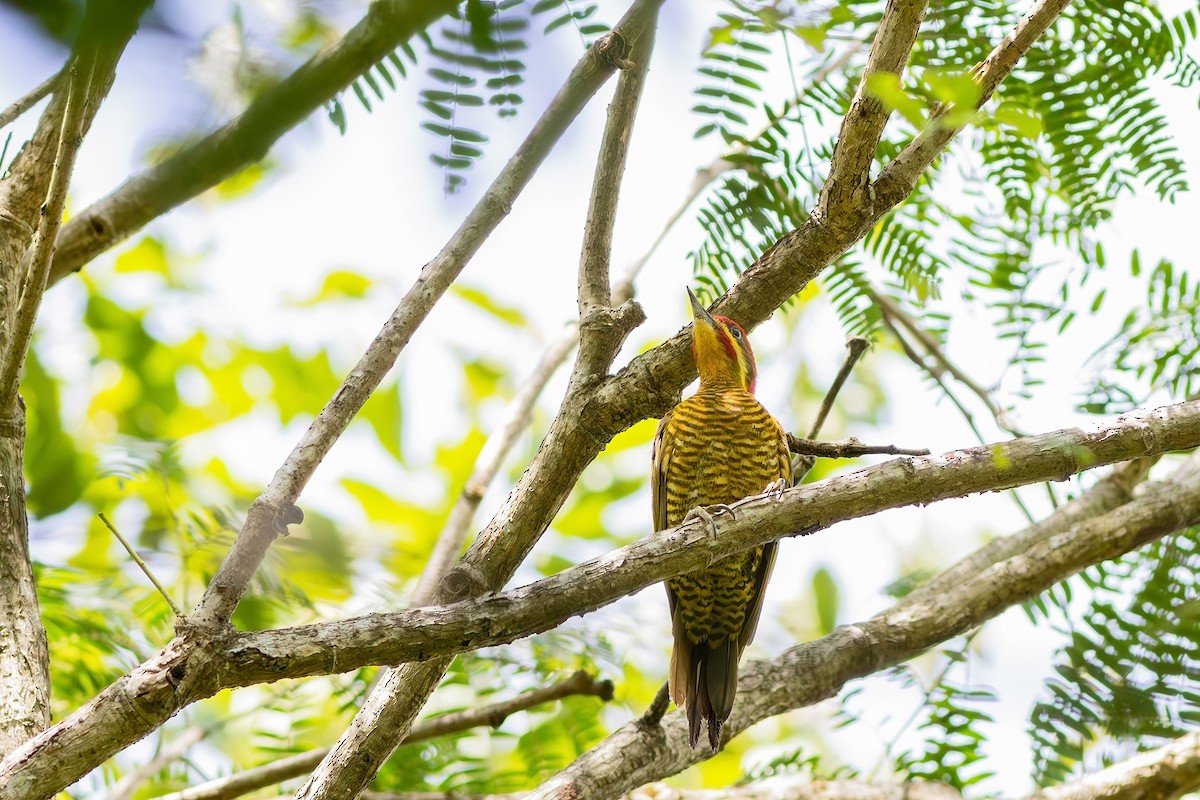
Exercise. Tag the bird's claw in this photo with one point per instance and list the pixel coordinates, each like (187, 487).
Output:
(775, 489)
(708, 516)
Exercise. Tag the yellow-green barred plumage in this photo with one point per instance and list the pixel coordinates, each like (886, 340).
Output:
(714, 448)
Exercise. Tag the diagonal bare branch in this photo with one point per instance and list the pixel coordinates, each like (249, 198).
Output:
(594, 290)
(260, 528)
(245, 139)
(516, 419)
(35, 95)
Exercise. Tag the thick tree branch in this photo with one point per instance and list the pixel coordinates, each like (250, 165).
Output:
(636, 754)
(848, 185)
(188, 669)
(70, 137)
(418, 634)
(579, 684)
(1163, 774)
(245, 139)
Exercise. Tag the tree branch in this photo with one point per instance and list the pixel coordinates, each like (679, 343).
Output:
(580, 683)
(1168, 772)
(10, 114)
(648, 386)
(36, 184)
(849, 170)
(424, 633)
(847, 448)
(594, 289)
(190, 669)
(806, 674)
(245, 139)
(602, 329)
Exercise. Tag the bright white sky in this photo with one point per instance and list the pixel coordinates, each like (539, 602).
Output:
(370, 201)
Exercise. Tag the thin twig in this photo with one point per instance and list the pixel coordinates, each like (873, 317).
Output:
(142, 564)
(848, 448)
(127, 786)
(855, 347)
(890, 310)
(8, 115)
(517, 415)
(892, 315)
(580, 683)
(69, 138)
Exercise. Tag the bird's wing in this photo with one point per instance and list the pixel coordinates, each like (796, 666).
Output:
(763, 570)
(681, 653)
(660, 468)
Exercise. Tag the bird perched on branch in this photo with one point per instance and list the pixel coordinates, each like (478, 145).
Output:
(714, 448)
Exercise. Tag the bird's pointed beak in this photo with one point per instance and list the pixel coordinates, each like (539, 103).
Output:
(699, 313)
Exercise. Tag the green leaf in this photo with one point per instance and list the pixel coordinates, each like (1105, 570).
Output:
(885, 86)
(148, 255)
(1026, 122)
(338, 285)
(483, 301)
(826, 596)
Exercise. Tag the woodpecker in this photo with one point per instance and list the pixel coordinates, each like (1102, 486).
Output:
(716, 447)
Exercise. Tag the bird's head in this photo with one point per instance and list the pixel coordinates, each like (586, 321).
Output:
(721, 349)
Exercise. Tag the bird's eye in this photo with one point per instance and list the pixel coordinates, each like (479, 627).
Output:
(736, 333)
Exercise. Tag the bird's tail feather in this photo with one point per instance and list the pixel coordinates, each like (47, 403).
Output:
(704, 680)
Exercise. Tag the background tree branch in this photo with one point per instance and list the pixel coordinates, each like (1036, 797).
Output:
(245, 139)
(581, 684)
